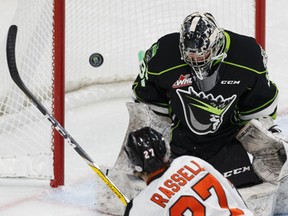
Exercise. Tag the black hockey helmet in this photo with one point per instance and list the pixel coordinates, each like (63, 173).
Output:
(146, 149)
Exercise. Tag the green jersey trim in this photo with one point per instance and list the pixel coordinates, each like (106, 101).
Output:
(244, 67)
(264, 105)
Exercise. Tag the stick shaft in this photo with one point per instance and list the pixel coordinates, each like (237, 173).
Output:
(11, 59)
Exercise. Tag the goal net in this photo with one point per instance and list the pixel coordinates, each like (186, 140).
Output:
(117, 30)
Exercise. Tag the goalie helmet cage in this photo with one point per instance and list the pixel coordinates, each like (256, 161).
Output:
(56, 36)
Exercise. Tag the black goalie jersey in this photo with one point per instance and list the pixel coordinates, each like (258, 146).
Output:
(206, 119)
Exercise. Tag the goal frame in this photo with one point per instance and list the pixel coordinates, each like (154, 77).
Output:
(59, 76)
(260, 22)
(59, 90)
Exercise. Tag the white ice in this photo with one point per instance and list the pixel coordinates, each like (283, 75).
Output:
(100, 128)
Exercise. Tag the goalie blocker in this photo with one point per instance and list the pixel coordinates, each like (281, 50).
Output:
(265, 143)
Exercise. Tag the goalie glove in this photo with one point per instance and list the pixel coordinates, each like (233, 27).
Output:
(265, 143)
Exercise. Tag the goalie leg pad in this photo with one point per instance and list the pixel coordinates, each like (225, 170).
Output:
(282, 198)
(107, 202)
(260, 198)
(140, 115)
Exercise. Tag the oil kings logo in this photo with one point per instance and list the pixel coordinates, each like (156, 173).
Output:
(203, 112)
(183, 80)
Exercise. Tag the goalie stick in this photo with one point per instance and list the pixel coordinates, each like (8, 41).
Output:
(11, 59)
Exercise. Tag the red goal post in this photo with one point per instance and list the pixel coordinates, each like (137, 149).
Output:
(260, 22)
(54, 43)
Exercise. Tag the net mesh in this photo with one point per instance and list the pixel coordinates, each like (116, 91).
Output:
(117, 30)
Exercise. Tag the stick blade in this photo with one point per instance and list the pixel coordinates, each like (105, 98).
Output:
(10, 52)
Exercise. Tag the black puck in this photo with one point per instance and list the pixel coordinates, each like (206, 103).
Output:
(96, 59)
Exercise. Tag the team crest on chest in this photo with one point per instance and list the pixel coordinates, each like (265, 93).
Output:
(203, 112)
(183, 80)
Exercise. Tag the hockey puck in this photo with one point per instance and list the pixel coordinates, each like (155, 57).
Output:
(96, 60)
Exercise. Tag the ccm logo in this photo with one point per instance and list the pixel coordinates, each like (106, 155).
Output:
(230, 82)
(236, 171)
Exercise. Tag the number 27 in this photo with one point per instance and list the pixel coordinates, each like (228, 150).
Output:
(149, 153)
(185, 203)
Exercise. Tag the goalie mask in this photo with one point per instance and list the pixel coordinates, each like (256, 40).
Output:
(201, 43)
(146, 150)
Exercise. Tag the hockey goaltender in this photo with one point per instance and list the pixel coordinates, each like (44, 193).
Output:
(207, 91)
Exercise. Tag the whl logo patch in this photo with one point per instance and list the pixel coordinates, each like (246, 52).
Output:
(183, 80)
